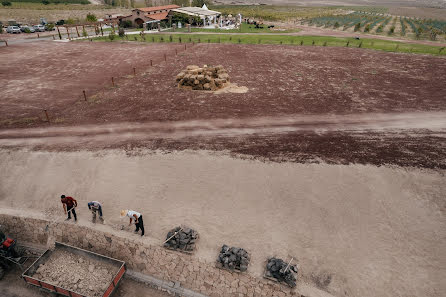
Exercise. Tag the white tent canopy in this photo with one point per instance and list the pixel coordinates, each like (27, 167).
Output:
(197, 11)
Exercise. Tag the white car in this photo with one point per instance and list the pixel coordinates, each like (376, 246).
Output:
(13, 29)
(39, 28)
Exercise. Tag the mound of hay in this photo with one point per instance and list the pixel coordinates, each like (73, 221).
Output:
(206, 78)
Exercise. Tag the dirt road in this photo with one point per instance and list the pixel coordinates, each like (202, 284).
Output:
(433, 121)
(302, 138)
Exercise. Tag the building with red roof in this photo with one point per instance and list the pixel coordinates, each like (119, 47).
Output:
(140, 16)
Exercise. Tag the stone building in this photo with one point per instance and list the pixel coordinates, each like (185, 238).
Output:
(140, 16)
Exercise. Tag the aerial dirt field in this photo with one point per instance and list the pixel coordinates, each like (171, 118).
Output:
(333, 156)
(290, 90)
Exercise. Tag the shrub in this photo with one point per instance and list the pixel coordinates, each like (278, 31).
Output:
(357, 27)
(50, 27)
(121, 32)
(380, 29)
(367, 28)
(170, 38)
(392, 30)
(111, 36)
(125, 24)
(1, 29)
(84, 33)
(27, 30)
(433, 34)
(336, 25)
(91, 18)
(6, 3)
(45, 2)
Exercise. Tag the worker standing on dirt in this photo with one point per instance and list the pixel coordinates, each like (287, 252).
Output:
(95, 207)
(69, 205)
(133, 215)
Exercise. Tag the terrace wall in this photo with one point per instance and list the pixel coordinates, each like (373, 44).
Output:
(151, 259)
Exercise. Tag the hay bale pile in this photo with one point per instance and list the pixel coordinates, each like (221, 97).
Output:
(233, 258)
(206, 78)
(277, 268)
(183, 239)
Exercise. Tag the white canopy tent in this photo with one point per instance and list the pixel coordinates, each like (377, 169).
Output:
(202, 12)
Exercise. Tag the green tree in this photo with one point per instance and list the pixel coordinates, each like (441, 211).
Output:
(45, 2)
(111, 36)
(392, 30)
(91, 18)
(6, 3)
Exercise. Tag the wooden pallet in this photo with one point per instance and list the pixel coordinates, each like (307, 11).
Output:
(220, 266)
(275, 280)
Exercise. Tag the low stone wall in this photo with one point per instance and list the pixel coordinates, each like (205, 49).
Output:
(154, 260)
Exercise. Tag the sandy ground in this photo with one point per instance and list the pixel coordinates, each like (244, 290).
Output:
(374, 231)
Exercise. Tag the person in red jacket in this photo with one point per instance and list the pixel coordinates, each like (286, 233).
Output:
(69, 204)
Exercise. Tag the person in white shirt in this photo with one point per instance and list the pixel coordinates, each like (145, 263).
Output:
(133, 215)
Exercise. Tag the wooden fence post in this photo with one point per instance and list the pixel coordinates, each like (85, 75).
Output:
(77, 31)
(47, 117)
(58, 32)
(134, 71)
(151, 63)
(113, 82)
(85, 95)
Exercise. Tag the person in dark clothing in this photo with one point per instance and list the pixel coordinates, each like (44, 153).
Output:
(69, 204)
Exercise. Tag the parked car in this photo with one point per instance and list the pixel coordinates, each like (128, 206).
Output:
(39, 28)
(13, 29)
(31, 29)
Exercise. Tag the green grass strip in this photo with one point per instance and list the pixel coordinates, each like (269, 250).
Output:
(375, 44)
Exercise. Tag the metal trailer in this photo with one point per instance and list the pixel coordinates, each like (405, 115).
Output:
(27, 275)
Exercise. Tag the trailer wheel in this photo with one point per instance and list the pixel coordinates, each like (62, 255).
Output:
(2, 272)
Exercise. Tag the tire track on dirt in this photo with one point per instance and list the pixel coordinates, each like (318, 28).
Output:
(432, 121)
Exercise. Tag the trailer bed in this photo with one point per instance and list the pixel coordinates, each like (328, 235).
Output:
(69, 271)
